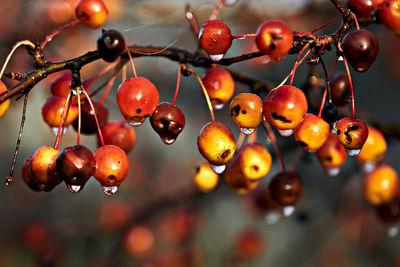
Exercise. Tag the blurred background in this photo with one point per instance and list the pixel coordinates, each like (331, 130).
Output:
(158, 217)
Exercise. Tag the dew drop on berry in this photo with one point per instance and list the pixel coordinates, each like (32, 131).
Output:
(272, 217)
(332, 171)
(288, 210)
(110, 190)
(218, 169)
(340, 58)
(286, 133)
(168, 141)
(54, 130)
(392, 231)
(353, 152)
(368, 166)
(135, 123)
(74, 188)
(216, 57)
(218, 106)
(247, 131)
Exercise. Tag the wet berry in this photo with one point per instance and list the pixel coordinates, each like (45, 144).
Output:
(352, 134)
(312, 132)
(220, 86)
(246, 110)
(215, 38)
(332, 155)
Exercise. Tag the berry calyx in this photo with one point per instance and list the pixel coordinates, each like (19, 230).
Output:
(254, 161)
(352, 134)
(75, 165)
(168, 121)
(332, 155)
(215, 38)
(286, 188)
(312, 132)
(111, 44)
(360, 48)
(117, 133)
(3, 106)
(216, 143)
(389, 15)
(95, 12)
(274, 38)
(246, 110)
(373, 149)
(43, 168)
(112, 167)
(137, 99)
(285, 107)
(381, 185)
(88, 122)
(205, 178)
(220, 86)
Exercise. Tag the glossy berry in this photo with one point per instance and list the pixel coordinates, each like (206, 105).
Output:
(235, 179)
(88, 122)
(250, 244)
(205, 178)
(53, 108)
(216, 143)
(364, 8)
(389, 212)
(112, 167)
(360, 48)
(286, 188)
(215, 38)
(27, 177)
(352, 134)
(75, 165)
(312, 132)
(285, 107)
(340, 89)
(119, 134)
(254, 161)
(168, 121)
(43, 168)
(374, 147)
(137, 99)
(61, 85)
(332, 155)
(3, 106)
(246, 110)
(381, 185)
(389, 15)
(111, 43)
(220, 86)
(95, 12)
(274, 38)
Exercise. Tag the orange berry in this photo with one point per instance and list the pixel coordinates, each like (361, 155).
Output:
(246, 110)
(332, 155)
(254, 161)
(220, 86)
(3, 106)
(352, 134)
(43, 168)
(250, 244)
(53, 108)
(374, 147)
(205, 178)
(236, 180)
(95, 12)
(381, 185)
(312, 132)
(139, 241)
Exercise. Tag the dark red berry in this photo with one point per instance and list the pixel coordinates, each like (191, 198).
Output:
(340, 89)
(364, 8)
(286, 188)
(88, 122)
(110, 44)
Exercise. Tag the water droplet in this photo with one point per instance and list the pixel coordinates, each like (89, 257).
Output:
(74, 91)
(312, 150)
(247, 131)
(9, 180)
(230, 2)
(218, 106)
(168, 141)
(353, 152)
(368, 166)
(332, 171)
(340, 58)
(216, 57)
(272, 217)
(74, 188)
(135, 123)
(54, 130)
(392, 231)
(287, 132)
(218, 169)
(110, 190)
(288, 210)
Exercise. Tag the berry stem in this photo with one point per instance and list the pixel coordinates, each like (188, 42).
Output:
(95, 117)
(204, 92)
(240, 140)
(191, 17)
(272, 138)
(66, 26)
(123, 73)
(326, 23)
(353, 108)
(297, 63)
(244, 36)
(355, 20)
(327, 90)
(9, 178)
(18, 44)
(131, 60)
(217, 7)
(252, 137)
(309, 34)
(63, 115)
(101, 73)
(177, 85)
(78, 138)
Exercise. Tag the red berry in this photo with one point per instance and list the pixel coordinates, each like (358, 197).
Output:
(312, 132)
(119, 134)
(352, 134)
(364, 8)
(61, 85)
(340, 89)
(389, 212)
(220, 86)
(112, 167)
(250, 244)
(246, 110)
(332, 155)
(53, 109)
(95, 12)
(389, 15)
(286, 188)
(274, 38)
(43, 168)
(215, 37)
(168, 121)
(137, 99)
